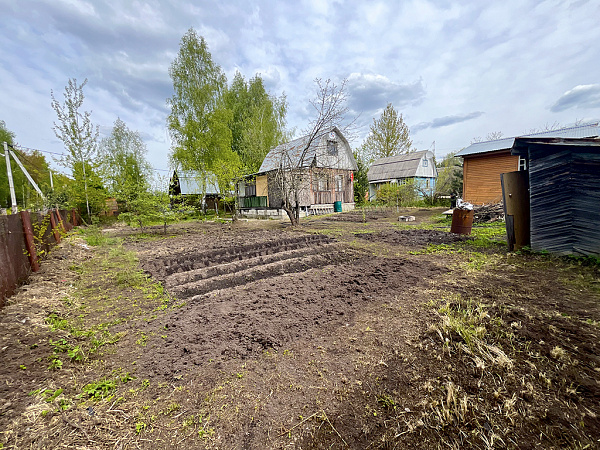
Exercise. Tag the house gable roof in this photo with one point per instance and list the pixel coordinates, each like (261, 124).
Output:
(295, 152)
(399, 166)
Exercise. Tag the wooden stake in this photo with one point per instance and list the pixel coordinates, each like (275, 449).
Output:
(29, 242)
(54, 227)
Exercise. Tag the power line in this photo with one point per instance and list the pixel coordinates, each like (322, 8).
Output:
(21, 147)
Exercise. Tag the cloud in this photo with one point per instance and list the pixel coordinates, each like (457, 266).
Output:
(445, 121)
(369, 93)
(581, 96)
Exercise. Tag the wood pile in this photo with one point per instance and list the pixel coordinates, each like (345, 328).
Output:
(488, 213)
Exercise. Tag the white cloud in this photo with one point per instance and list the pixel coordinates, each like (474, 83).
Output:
(585, 96)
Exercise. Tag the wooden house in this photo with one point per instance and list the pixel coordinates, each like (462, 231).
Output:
(416, 167)
(483, 162)
(325, 167)
(563, 193)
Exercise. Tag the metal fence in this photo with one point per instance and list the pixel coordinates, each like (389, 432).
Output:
(25, 238)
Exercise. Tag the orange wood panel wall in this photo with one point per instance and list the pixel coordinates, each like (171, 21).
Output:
(481, 176)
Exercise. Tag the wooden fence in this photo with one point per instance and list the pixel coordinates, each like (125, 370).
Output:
(25, 238)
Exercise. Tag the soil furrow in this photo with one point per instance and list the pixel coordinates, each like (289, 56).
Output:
(199, 288)
(205, 273)
(168, 266)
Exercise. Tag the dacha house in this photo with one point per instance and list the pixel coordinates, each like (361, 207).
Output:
(415, 167)
(324, 168)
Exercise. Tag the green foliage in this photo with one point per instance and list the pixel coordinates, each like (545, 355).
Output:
(450, 176)
(56, 322)
(389, 136)
(361, 182)
(258, 120)
(99, 389)
(397, 194)
(79, 137)
(148, 208)
(124, 165)
(199, 118)
(93, 236)
(34, 162)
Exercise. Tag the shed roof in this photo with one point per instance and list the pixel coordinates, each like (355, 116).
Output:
(521, 145)
(190, 182)
(581, 131)
(394, 167)
(295, 150)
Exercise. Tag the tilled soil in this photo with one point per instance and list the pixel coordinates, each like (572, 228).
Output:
(413, 238)
(275, 307)
(279, 338)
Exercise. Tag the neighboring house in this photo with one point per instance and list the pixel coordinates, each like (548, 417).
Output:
(325, 168)
(417, 167)
(485, 161)
(563, 190)
(189, 187)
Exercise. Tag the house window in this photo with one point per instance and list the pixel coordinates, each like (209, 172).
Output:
(250, 190)
(522, 163)
(425, 163)
(339, 183)
(332, 148)
(320, 183)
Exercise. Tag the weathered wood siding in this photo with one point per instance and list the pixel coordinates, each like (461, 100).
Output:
(481, 176)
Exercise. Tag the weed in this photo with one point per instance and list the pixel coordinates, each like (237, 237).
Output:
(51, 395)
(56, 322)
(100, 389)
(55, 363)
(139, 427)
(142, 340)
(172, 408)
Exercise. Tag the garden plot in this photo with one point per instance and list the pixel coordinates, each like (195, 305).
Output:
(239, 300)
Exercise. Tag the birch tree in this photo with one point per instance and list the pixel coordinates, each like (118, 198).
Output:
(199, 120)
(79, 136)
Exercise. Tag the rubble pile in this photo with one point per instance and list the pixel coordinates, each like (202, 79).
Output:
(488, 213)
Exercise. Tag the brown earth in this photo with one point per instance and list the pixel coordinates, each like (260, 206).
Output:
(340, 334)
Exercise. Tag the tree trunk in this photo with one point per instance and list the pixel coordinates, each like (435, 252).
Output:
(291, 215)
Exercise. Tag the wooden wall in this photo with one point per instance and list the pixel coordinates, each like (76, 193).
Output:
(481, 176)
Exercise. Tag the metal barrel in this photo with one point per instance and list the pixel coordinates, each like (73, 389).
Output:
(462, 221)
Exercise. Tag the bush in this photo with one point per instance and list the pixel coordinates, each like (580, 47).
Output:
(397, 194)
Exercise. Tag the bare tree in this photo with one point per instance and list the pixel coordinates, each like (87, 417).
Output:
(292, 176)
(491, 136)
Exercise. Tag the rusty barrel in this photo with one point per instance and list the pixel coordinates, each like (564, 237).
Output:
(462, 221)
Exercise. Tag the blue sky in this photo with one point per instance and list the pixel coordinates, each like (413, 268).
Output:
(455, 69)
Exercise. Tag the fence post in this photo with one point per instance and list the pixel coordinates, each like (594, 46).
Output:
(54, 227)
(29, 242)
(74, 217)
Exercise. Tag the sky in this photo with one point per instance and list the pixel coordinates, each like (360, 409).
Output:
(456, 70)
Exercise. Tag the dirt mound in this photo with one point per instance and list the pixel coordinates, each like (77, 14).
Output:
(414, 238)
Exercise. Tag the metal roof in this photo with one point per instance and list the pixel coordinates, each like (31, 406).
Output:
(294, 150)
(190, 182)
(394, 167)
(580, 131)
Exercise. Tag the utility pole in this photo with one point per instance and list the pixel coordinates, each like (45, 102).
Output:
(11, 184)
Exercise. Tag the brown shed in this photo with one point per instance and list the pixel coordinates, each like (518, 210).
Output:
(485, 161)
